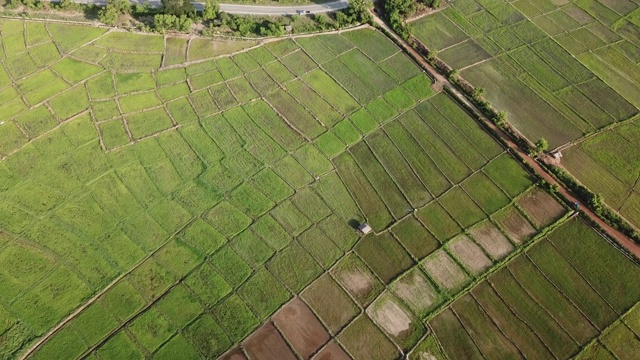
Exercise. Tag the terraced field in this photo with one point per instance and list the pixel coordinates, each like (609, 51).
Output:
(560, 69)
(164, 198)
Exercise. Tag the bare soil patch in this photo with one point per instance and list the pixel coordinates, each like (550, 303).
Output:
(301, 327)
(267, 344)
(444, 270)
(357, 279)
(469, 254)
(416, 291)
(332, 351)
(334, 307)
(235, 354)
(541, 207)
(515, 225)
(492, 240)
(390, 316)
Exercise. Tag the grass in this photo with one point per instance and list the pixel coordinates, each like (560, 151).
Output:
(75, 71)
(150, 330)
(120, 346)
(252, 248)
(551, 333)
(113, 134)
(173, 92)
(273, 186)
(331, 91)
(329, 144)
(331, 303)
(177, 346)
(138, 102)
(101, 86)
(374, 209)
(415, 238)
(312, 159)
(398, 169)
(208, 336)
(294, 256)
(384, 256)
(148, 123)
(300, 118)
(381, 181)
(230, 265)
(320, 247)
(36, 121)
(263, 293)
(207, 285)
(69, 103)
(322, 110)
(228, 219)
(292, 172)
(179, 306)
(175, 51)
(250, 200)
(291, 218)
(271, 232)
(362, 331)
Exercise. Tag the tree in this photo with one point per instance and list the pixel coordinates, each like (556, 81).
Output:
(500, 119)
(272, 29)
(342, 19)
(358, 11)
(478, 92)
(111, 13)
(542, 145)
(321, 19)
(178, 7)
(211, 10)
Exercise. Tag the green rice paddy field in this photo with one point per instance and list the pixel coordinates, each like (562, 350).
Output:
(561, 69)
(192, 199)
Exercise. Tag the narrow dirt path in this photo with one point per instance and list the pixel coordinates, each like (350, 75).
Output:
(620, 238)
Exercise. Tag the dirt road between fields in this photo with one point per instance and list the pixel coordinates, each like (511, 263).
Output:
(620, 238)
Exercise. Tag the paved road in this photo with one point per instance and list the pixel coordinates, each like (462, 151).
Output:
(252, 9)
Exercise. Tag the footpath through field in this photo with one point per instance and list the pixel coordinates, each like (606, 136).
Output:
(442, 81)
(241, 9)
